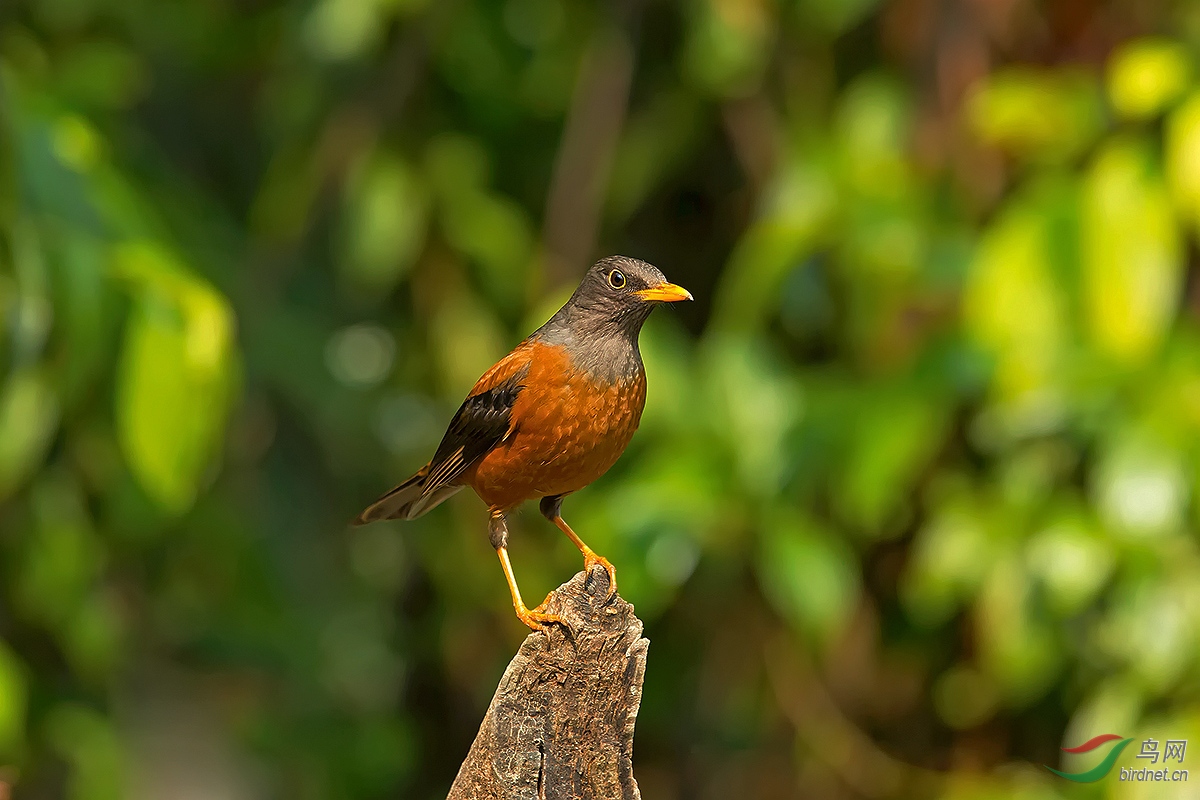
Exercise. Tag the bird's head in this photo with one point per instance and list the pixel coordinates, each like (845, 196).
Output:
(599, 325)
(624, 290)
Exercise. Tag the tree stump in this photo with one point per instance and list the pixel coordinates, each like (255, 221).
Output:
(560, 726)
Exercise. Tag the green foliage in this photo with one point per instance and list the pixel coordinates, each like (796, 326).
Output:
(173, 379)
(1041, 115)
(916, 486)
(13, 702)
(1146, 75)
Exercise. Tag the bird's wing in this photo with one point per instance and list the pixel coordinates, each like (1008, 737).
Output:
(483, 420)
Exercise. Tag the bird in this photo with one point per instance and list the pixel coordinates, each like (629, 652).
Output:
(549, 418)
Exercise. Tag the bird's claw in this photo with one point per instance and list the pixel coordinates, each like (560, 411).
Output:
(590, 559)
(538, 618)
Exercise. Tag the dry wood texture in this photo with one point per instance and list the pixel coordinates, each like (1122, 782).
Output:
(560, 726)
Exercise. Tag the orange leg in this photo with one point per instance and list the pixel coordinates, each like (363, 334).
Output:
(535, 619)
(551, 508)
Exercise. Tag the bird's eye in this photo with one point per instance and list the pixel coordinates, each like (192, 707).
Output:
(616, 279)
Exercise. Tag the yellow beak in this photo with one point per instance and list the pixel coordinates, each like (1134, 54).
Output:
(664, 293)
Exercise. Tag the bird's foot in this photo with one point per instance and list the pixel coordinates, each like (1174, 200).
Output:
(590, 559)
(537, 619)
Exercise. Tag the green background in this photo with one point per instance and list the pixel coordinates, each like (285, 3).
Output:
(914, 501)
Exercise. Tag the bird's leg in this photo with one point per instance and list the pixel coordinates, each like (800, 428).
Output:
(498, 533)
(551, 508)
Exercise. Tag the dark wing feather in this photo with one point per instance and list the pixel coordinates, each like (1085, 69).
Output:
(482, 422)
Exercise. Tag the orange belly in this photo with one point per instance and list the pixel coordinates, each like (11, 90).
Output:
(566, 432)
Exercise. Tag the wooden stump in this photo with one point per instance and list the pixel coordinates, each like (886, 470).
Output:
(560, 726)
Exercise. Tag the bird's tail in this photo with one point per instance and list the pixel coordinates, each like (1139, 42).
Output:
(409, 500)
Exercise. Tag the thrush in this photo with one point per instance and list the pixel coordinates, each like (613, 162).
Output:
(549, 418)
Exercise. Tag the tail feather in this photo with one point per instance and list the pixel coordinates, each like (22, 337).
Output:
(409, 500)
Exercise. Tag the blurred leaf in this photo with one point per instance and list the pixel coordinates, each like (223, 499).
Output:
(871, 130)
(76, 143)
(1132, 254)
(671, 361)
(882, 245)
(891, 442)
(467, 340)
(727, 43)
(101, 73)
(474, 61)
(657, 142)
(384, 222)
(1139, 486)
(62, 556)
(1157, 656)
(87, 318)
(965, 697)
(1012, 303)
(1072, 560)
(548, 80)
(495, 232)
(339, 30)
(55, 151)
(13, 702)
(28, 420)
(1146, 75)
(1040, 115)
(286, 195)
(456, 164)
(489, 228)
(836, 16)
(1018, 648)
(808, 575)
(175, 377)
(93, 638)
(949, 562)
(534, 22)
(30, 315)
(1182, 156)
(755, 402)
(88, 743)
(797, 208)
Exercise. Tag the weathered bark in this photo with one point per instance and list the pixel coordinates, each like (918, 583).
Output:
(560, 726)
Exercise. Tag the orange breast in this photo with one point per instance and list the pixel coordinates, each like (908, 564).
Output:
(567, 430)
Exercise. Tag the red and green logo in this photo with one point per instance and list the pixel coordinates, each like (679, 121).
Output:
(1104, 767)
